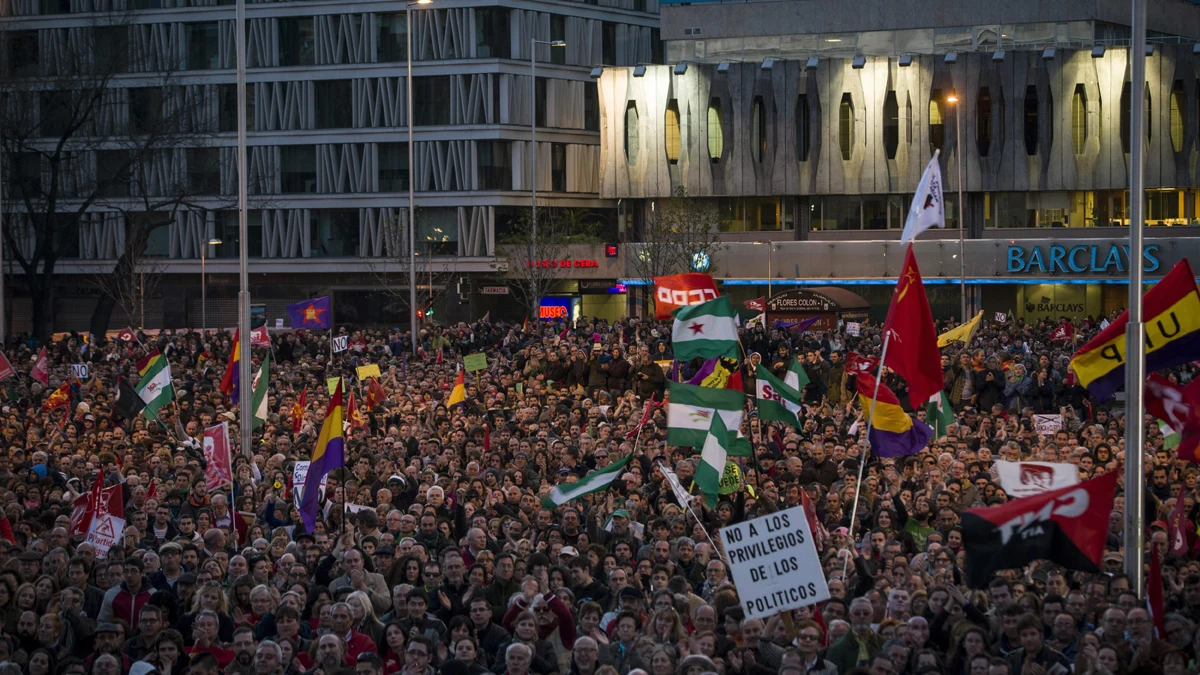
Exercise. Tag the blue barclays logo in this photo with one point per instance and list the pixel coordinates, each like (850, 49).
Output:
(1082, 258)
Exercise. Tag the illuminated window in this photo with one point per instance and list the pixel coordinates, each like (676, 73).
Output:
(1079, 130)
(937, 126)
(846, 126)
(1178, 110)
(671, 131)
(716, 131)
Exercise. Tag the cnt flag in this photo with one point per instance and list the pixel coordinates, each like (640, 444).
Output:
(329, 454)
(928, 208)
(1067, 526)
(707, 330)
(312, 313)
(893, 432)
(912, 348)
(1171, 312)
(128, 404)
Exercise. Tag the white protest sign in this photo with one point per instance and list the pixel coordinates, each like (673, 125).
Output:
(774, 563)
(299, 473)
(105, 532)
(340, 342)
(279, 323)
(853, 328)
(80, 371)
(1047, 424)
(1001, 317)
(1025, 479)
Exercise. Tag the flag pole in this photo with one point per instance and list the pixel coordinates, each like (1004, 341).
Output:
(1135, 332)
(862, 464)
(688, 506)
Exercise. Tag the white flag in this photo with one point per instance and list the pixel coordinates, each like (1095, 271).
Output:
(928, 208)
(677, 488)
(1024, 479)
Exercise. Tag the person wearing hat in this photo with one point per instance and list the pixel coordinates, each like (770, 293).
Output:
(171, 556)
(107, 642)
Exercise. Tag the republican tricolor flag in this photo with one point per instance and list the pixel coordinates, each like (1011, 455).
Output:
(893, 432)
(329, 454)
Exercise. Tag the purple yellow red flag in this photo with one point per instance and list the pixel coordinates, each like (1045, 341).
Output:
(329, 454)
(893, 432)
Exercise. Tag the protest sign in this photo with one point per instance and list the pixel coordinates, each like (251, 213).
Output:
(105, 532)
(218, 470)
(1001, 317)
(1047, 424)
(340, 343)
(853, 328)
(332, 383)
(774, 563)
(731, 479)
(299, 473)
(80, 371)
(474, 362)
(364, 372)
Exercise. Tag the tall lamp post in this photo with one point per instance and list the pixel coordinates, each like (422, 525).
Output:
(412, 213)
(770, 251)
(533, 43)
(962, 224)
(213, 241)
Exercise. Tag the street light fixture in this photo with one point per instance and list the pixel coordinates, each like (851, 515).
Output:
(533, 43)
(962, 261)
(412, 211)
(212, 241)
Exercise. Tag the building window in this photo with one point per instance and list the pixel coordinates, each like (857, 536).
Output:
(227, 95)
(631, 133)
(204, 170)
(1149, 116)
(492, 39)
(296, 41)
(1031, 120)
(591, 106)
(540, 100)
(335, 233)
(495, 164)
(1126, 99)
(558, 167)
(111, 44)
(937, 125)
(758, 129)
(23, 53)
(846, 126)
(56, 112)
(558, 31)
(802, 128)
(1079, 130)
(112, 173)
(298, 168)
(608, 38)
(716, 131)
(392, 44)
(431, 96)
(1178, 110)
(908, 119)
(891, 125)
(145, 110)
(333, 104)
(203, 52)
(983, 121)
(393, 167)
(671, 131)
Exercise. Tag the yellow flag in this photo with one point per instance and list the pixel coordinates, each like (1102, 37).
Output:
(959, 333)
(364, 372)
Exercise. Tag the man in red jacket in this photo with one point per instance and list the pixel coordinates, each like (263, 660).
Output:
(127, 604)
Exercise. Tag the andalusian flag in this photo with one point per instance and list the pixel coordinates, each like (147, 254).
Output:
(1171, 438)
(796, 377)
(155, 388)
(596, 481)
(259, 404)
(713, 455)
(938, 413)
(329, 454)
(691, 409)
(707, 330)
(776, 400)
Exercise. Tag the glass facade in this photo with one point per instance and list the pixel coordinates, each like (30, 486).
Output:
(1091, 208)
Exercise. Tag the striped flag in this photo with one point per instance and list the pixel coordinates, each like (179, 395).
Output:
(713, 455)
(706, 330)
(776, 400)
(596, 481)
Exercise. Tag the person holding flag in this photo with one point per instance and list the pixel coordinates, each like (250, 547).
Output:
(329, 454)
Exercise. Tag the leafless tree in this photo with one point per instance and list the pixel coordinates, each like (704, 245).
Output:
(391, 269)
(534, 256)
(678, 229)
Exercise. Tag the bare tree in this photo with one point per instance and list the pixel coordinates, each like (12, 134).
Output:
(677, 230)
(79, 150)
(534, 256)
(391, 269)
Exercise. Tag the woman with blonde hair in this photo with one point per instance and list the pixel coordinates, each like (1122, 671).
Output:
(665, 628)
(362, 615)
(209, 597)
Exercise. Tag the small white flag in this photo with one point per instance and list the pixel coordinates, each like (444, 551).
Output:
(928, 208)
(1104, 324)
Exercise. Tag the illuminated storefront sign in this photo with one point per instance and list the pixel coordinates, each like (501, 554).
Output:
(564, 263)
(1057, 258)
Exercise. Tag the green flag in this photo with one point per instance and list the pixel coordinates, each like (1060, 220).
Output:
(796, 377)
(596, 481)
(1171, 438)
(707, 330)
(691, 409)
(712, 460)
(938, 413)
(259, 404)
(776, 400)
(156, 388)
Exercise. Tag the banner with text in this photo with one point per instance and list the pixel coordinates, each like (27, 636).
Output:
(774, 563)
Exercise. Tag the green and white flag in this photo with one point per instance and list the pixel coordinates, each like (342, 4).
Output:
(259, 404)
(155, 388)
(938, 413)
(713, 456)
(596, 481)
(707, 330)
(1171, 438)
(796, 377)
(691, 409)
(776, 400)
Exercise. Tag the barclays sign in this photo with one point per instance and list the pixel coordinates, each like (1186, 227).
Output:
(1082, 258)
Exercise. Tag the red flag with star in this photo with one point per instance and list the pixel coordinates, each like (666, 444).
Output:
(912, 349)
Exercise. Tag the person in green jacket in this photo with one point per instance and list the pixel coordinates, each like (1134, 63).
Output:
(859, 645)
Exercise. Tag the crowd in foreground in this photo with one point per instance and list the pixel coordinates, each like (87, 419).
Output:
(435, 553)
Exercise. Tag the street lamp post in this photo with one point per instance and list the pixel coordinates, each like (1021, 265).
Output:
(962, 224)
(213, 241)
(770, 251)
(533, 43)
(412, 212)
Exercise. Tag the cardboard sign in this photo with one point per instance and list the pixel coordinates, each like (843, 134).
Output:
(80, 370)
(332, 384)
(1001, 317)
(364, 372)
(340, 343)
(774, 563)
(299, 473)
(1047, 424)
(218, 470)
(731, 479)
(474, 362)
(279, 323)
(854, 329)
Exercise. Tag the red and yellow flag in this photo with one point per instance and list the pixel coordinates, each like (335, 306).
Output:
(298, 411)
(59, 398)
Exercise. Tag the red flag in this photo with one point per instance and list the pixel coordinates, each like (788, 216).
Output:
(59, 398)
(913, 351)
(735, 380)
(820, 535)
(6, 532)
(298, 411)
(861, 364)
(152, 491)
(681, 290)
(1064, 332)
(632, 433)
(757, 304)
(439, 355)
(1154, 594)
(1179, 407)
(375, 394)
(242, 522)
(353, 416)
(227, 384)
(6, 369)
(219, 469)
(1177, 525)
(41, 368)
(85, 506)
(259, 337)
(127, 335)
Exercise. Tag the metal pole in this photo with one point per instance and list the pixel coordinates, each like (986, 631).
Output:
(203, 291)
(533, 135)
(862, 461)
(1135, 334)
(3, 307)
(770, 250)
(246, 420)
(412, 212)
(962, 224)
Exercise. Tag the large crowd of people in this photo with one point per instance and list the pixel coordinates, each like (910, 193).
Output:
(435, 553)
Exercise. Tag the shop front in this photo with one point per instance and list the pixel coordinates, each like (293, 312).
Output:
(827, 304)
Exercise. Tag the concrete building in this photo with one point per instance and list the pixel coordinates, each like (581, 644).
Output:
(328, 152)
(808, 124)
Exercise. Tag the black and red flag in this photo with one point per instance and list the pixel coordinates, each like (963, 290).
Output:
(1067, 526)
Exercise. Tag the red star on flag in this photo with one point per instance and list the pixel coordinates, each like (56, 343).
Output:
(696, 327)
